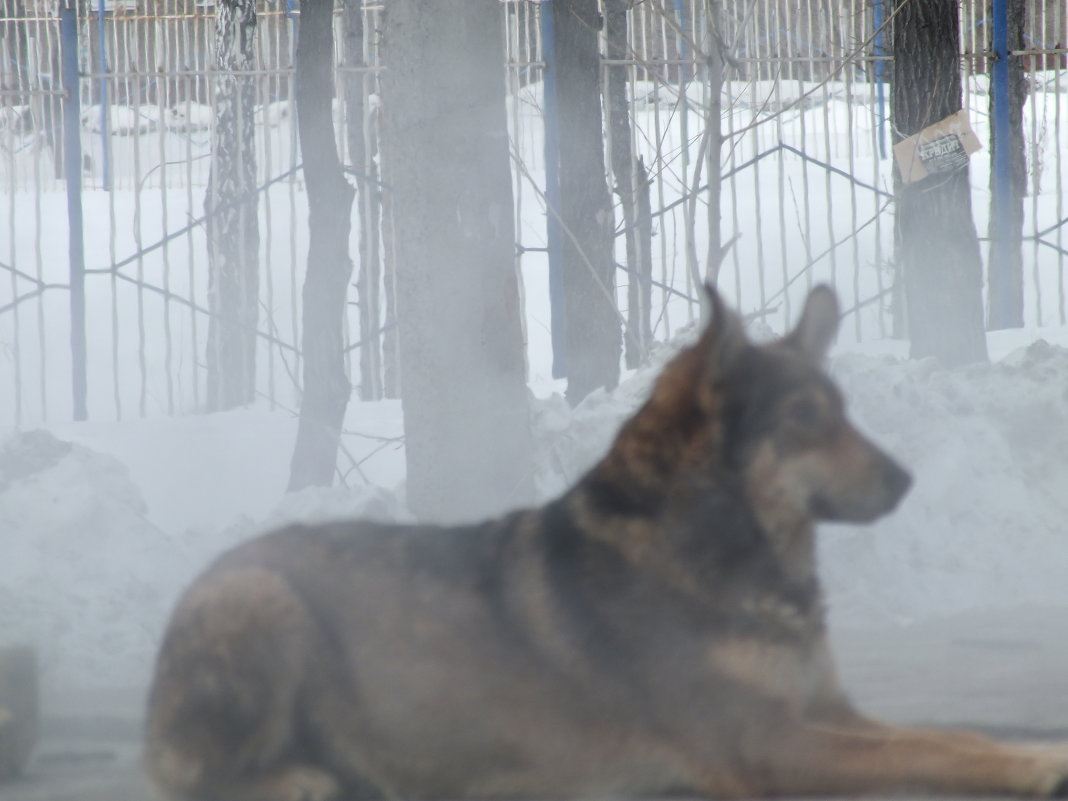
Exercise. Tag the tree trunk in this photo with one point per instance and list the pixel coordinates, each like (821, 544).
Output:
(592, 328)
(330, 196)
(1005, 262)
(361, 147)
(231, 207)
(391, 380)
(464, 395)
(52, 113)
(625, 171)
(934, 233)
(716, 67)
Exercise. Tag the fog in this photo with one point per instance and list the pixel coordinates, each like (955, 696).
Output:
(951, 610)
(954, 609)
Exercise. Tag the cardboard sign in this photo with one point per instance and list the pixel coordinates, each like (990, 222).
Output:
(941, 147)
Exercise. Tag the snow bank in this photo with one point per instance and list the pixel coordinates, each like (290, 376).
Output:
(986, 524)
(84, 576)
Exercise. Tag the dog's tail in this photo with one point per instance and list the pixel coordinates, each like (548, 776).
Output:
(228, 673)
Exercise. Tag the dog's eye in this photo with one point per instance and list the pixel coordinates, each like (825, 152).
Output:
(805, 412)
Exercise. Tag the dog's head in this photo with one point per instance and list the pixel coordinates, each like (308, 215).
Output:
(768, 419)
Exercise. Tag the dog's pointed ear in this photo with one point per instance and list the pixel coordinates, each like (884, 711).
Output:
(724, 336)
(818, 325)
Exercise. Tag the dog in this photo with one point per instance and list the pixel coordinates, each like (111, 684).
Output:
(657, 630)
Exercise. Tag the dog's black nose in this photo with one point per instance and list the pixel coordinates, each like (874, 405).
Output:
(898, 479)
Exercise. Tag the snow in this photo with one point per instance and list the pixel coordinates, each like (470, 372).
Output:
(103, 523)
(91, 568)
(125, 120)
(984, 526)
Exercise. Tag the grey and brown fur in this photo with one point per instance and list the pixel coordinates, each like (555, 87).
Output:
(657, 630)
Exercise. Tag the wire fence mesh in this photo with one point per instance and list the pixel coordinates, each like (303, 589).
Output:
(806, 178)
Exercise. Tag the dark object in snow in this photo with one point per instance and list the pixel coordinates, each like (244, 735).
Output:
(657, 630)
(19, 712)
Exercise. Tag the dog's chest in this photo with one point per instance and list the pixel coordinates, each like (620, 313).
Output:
(800, 675)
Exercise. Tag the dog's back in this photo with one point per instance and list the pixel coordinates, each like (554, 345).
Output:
(658, 629)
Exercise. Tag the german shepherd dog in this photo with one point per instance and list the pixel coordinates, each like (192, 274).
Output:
(657, 630)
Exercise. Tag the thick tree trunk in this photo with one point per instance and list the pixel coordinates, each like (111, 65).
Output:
(231, 207)
(445, 140)
(352, 60)
(391, 378)
(1005, 263)
(592, 327)
(935, 239)
(330, 196)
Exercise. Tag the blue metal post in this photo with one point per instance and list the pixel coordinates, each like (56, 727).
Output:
(680, 44)
(105, 158)
(879, 16)
(72, 167)
(1002, 184)
(553, 232)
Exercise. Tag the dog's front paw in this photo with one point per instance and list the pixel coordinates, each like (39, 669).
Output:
(1061, 790)
(1054, 769)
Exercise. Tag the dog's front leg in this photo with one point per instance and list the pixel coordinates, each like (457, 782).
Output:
(824, 758)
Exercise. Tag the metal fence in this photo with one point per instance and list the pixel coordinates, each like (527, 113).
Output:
(145, 137)
(806, 179)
